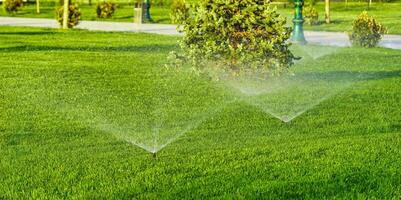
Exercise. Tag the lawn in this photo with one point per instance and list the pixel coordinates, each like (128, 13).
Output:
(342, 15)
(55, 85)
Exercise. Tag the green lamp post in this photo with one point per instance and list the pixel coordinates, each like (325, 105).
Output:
(148, 18)
(298, 31)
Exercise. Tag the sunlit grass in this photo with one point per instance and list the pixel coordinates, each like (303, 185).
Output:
(347, 147)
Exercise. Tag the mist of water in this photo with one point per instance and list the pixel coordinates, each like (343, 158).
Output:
(313, 79)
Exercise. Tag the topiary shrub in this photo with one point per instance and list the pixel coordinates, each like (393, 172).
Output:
(311, 16)
(236, 35)
(105, 9)
(179, 11)
(366, 31)
(12, 6)
(74, 15)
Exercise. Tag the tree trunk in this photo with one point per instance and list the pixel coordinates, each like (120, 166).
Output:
(90, 2)
(37, 6)
(66, 14)
(327, 9)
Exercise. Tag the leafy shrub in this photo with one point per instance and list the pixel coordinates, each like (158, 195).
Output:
(366, 31)
(179, 11)
(74, 15)
(105, 9)
(12, 6)
(236, 35)
(311, 16)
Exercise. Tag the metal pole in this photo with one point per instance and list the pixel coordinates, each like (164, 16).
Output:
(147, 13)
(298, 32)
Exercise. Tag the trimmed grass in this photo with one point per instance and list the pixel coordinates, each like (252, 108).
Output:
(342, 15)
(346, 147)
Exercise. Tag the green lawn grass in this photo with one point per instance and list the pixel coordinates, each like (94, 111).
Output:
(342, 15)
(346, 147)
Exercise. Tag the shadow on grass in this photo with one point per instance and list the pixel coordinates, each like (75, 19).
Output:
(344, 76)
(333, 21)
(162, 20)
(28, 33)
(146, 48)
(124, 17)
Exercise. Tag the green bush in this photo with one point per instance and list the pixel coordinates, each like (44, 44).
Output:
(236, 35)
(105, 9)
(73, 18)
(179, 11)
(311, 16)
(366, 31)
(12, 6)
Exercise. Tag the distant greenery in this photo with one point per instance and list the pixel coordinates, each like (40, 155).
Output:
(342, 14)
(105, 9)
(366, 31)
(12, 6)
(179, 11)
(347, 147)
(123, 13)
(74, 15)
(311, 16)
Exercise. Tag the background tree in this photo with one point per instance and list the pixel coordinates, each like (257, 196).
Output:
(69, 18)
(37, 6)
(327, 11)
(66, 13)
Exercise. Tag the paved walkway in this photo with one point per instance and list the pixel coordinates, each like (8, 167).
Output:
(324, 38)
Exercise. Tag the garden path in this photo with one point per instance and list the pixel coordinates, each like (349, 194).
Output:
(313, 37)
